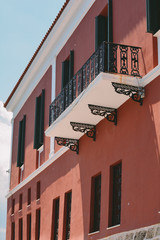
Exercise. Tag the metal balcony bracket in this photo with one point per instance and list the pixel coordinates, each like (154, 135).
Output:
(109, 113)
(88, 129)
(136, 93)
(72, 144)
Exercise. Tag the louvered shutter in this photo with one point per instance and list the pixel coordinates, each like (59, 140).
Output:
(65, 73)
(71, 65)
(21, 142)
(153, 16)
(100, 30)
(19, 145)
(42, 118)
(37, 123)
(110, 22)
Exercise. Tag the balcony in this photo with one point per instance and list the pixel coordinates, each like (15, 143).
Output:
(113, 68)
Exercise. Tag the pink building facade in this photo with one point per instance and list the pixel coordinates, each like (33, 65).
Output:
(86, 124)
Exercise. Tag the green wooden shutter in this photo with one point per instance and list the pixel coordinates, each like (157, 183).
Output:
(21, 142)
(71, 65)
(37, 123)
(65, 73)
(153, 15)
(19, 145)
(41, 135)
(100, 30)
(110, 22)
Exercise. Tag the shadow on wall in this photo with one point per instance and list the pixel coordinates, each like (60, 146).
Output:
(135, 141)
(130, 27)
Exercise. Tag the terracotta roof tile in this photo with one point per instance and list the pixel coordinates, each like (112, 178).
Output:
(36, 52)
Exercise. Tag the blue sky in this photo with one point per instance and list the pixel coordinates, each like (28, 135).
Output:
(23, 24)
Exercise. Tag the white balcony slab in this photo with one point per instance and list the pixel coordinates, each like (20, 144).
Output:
(99, 92)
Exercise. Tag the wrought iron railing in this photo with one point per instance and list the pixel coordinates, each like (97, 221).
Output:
(109, 57)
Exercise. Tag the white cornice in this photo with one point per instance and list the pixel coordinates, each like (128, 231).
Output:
(149, 77)
(37, 171)
(63, 29)
(143, 82)
(101, 86)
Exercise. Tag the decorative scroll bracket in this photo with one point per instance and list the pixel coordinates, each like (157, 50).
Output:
(72, 144)
(136, 93)
(88, 129)
(109, 113)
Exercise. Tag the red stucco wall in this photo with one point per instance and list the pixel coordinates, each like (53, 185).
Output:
(29, 109)
(129, 27)
(134, 141)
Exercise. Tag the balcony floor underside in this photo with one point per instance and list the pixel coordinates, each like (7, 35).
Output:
(99, 92)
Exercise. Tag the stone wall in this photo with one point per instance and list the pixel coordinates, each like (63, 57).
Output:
(146, 233)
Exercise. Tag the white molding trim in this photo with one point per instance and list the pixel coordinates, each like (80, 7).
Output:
(130, 80)
(144, 81)
(38, 171)
(10, 161)
(149, 77)
(157, 34)
(53, 94)
(63, 29)
(92, 233)
(123, 234)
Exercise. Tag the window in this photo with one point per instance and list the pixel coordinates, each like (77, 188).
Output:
(67, 69)
(110, 22)
(29, 227)
(20, 229)
(39, 121)
(21, 142)
(38, 222)
(38, 157)
(95, 203)
(20, 174)
(153, 19)
(20, 201)
(100, 30)
(104, 26)
(13, 206)
(38, 190)
(13, 231)
(55, 219)
(29, 197)
(67, 216)
(115, 195)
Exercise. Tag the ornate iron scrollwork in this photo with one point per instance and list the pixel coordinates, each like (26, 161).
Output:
(92, 59)
(84, 76)
(123, 59)
(109, 57)
(80, 83)
(66, 94)
(112, 52)
(109, 113)
(136, 93)
(96, 63)
(72, 144)
(102, 53)
(88, 129)
(134, 62)
(88, 72)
